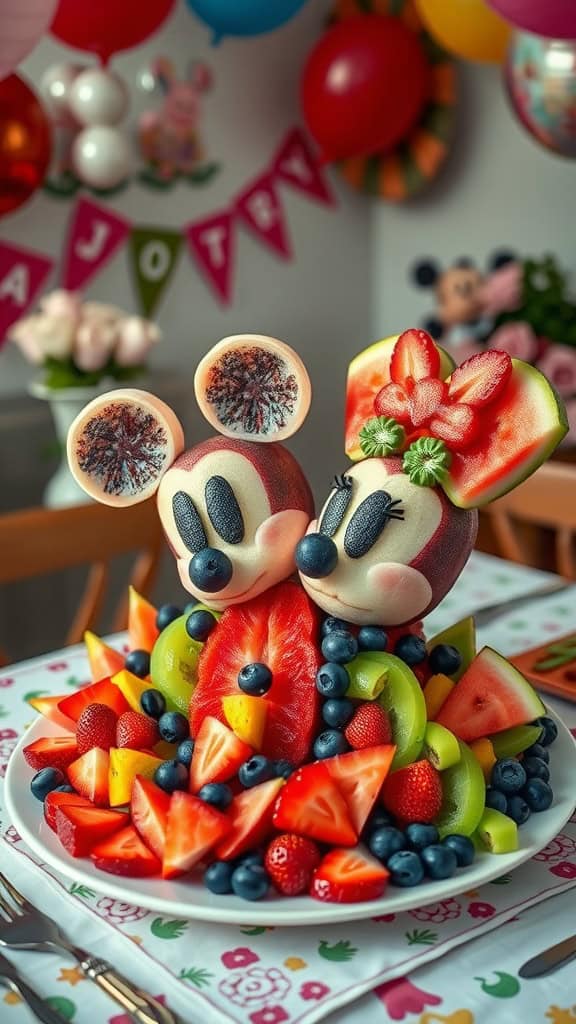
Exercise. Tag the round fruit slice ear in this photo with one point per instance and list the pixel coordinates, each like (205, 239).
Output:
(121, 444)
(253, 387)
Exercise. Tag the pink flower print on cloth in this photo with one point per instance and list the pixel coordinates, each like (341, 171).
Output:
(5, 682)
(401, 997)
(314, 990)
(118, 912)
(481, 909)
(560, 848)
(239, 957)
(8, 739)
(255, 987)
(269, 1015)
(12, 836)
(447, 910)
(565, 869)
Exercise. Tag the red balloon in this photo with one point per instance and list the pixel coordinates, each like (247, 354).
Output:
(25, 143)
(104, 27)
(364, 87)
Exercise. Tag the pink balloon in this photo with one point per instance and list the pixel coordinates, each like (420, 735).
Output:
(22, 25)
(555, 19)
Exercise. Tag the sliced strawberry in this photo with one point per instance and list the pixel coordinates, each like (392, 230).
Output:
(125, 854)
(349, 876)
(250, 814)
(369, 726)
(102, 692)
(280, 629)
(415, 356)
(89, 775)
(218, 754)
(104, 661)
(80, 828)
(51, 752)
(193, 829)
(149, 812)
(311, 804)
(359, 777)
(136, 731)
(142, 628)
(96, 727)
(457, 425)
(481, 379)
(392, 400)
(55, 799)
(48, 706)
(425, 397)
(413, 793)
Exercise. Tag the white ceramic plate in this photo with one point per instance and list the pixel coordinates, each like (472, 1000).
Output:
(188, 898)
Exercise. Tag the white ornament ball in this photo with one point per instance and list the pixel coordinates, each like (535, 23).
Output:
(98, 96)
(101, 156)
(55, 86)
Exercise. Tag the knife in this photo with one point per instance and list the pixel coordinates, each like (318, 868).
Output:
(550, 959)
(493, 611)
(12, 978)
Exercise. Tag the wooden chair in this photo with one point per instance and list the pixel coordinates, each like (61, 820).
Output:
(536, 523)
(36, 542)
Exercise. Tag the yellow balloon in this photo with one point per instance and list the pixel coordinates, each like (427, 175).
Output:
(466, 28)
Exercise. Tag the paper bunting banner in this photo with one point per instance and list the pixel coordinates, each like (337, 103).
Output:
(261, 210)
(154, 253)
(22, 274)
(211, 243)
(295, 164)
(94, 236)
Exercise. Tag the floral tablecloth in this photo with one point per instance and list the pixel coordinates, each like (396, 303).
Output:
(419, 966)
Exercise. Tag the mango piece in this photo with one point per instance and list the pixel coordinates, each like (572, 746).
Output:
(435, 693)
(246, 716)
(125, 765)
(132, 687)
(484, 753)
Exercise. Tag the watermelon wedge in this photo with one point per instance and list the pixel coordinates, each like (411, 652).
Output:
(490, 697)
(367, 374)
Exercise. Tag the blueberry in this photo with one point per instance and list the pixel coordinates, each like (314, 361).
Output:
(508, 776)
(549, 730)
(495, 799)
(250, 882)
(445, 658)
(152, 703)
(217, 794)
(536, 769)
(340, 647)
(332, 680)
(249, 860)
(255, 679)
(337, 712)
(537, 750)
(138, 663)
(411, 649)
(406, 869)
(378, 818)
(372, 638)
(200, 624)
(210, 570)
(173, 727)
(316, 555)
(330, 743)
(218, 877)
(258, 769)
(462, 847)
(45, 781)
(171, 775)
(439, 861)
(65, 788)
(334, 625)
(166, 614)
(538, 795)
(419, 836)
(385, 842)
(517, 808)
(185, 751)
(283, 769)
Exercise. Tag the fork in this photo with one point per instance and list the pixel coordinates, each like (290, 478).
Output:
(23, 926)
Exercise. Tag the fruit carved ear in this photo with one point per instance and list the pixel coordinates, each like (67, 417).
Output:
(121, 444)
(253, 388)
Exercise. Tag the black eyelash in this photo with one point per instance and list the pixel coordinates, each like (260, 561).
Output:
(337, 505)
(188, 522)
(368, 522)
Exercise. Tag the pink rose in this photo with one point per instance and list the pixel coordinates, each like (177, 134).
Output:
(62, 303)
(517, 339)
(558, 364)
(95, 341)
(40, 336)
(136, 337)
(500, 292)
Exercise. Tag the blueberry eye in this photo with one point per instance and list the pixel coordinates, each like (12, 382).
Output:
(223, 510)
(368, 521)
(188, 522)
(336, 507)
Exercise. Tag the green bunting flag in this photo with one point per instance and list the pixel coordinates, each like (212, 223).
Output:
(153, 254)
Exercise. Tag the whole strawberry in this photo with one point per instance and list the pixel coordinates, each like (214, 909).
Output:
(96, 727)
(413, 793)
(368, 727)
(291, 861)
(136, 731)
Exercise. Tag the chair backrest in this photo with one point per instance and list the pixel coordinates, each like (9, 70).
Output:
(544, 506)
(38, 541)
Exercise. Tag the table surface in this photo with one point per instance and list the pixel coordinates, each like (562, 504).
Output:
(475, 983)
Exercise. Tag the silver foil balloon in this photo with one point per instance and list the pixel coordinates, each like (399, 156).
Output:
(540, 77)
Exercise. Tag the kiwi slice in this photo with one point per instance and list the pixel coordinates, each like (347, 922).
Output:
(513, 741)
(173, 664)
(461, 635)
(367, 678)
(403, 700)
(464, 795)
(441, 746)
(497, 832)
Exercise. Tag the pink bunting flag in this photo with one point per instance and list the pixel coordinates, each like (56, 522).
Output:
(296, 165)
(260, 208)
(211, 243)
(94, 235)
(22, 274)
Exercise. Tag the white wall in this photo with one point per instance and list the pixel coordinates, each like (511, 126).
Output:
(498, 189)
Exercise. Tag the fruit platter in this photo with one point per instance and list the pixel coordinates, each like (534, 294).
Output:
(290, 742)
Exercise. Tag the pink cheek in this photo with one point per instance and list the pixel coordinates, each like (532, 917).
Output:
(408, 586)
